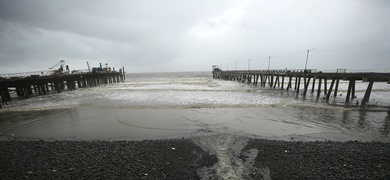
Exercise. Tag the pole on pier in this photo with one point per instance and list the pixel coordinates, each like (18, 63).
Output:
(307, 57)
(269, 61)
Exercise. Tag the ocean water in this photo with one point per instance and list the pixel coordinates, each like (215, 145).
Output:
(190, 104)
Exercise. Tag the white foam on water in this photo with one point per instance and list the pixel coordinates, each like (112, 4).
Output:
(227, 148)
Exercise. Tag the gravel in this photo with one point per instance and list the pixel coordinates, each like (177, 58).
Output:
(321, 160)
(181, 159)
(158, 159)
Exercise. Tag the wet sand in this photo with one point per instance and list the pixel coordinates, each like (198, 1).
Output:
(182, 159)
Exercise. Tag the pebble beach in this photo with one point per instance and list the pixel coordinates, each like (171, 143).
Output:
(182, 159)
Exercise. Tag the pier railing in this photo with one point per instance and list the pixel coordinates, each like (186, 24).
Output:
(26, 74)
(39, 73)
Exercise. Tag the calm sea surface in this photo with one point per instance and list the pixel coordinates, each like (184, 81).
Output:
(174, 105)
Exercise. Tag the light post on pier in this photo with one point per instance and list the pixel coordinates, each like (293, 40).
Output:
(307, 57)
(236, 65)
(227, 66)
(249, 63)
(269, 61)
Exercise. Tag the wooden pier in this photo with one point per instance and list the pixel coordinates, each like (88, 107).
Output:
(283, 79)
(27, 86)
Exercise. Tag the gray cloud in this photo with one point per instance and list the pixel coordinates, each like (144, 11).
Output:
(180, 35)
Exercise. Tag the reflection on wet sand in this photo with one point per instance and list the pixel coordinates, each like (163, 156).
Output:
(362, 118)
(345, 117)
(364, 121)
(386, 125)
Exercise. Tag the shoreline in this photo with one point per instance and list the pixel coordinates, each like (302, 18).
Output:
(183, 159)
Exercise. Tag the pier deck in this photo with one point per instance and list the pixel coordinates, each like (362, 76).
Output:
(283, 79)
(27, 86)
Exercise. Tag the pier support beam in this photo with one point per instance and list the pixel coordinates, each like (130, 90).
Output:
(353, 89)
(289, 83)
(312, 87)
(325, 86)
(256, 79)
(4, 98)
(319, 88)
(330, 89)
(351, 85)
(306, 85)
(368, 93)
(276, 81)
(296, 80)
(336, 88)
(5, 95)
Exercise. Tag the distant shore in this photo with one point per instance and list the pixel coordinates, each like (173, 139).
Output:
(181, 158)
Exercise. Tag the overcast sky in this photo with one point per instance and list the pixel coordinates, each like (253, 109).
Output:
(193, 35)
